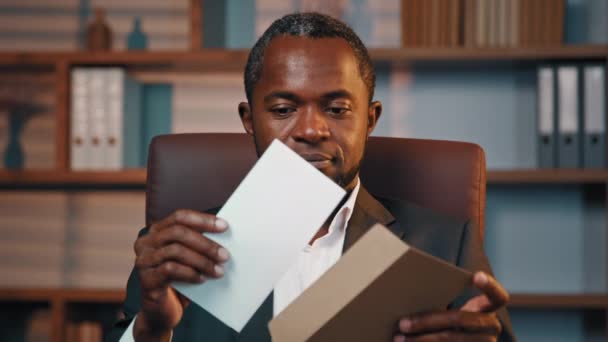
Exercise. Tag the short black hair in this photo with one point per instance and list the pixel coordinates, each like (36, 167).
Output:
(309, 25)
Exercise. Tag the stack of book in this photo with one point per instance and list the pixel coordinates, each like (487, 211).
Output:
(96, 250)
(431, 23)
(30, 256)
(482, 23)
(106, 125)
(572, 116)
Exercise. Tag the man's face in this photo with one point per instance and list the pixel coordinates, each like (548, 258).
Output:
(311, 97)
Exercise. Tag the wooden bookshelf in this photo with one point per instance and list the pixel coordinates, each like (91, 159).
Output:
(116, 296)
(234, 59)
(63, 294)
(137, 177)
(30, 58)
(548, 176)
(559, 301)
(563, 52)
(61, 302)
(132, 177)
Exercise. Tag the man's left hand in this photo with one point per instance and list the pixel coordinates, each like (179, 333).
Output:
(475, 321)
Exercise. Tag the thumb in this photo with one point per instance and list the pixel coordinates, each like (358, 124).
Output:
(479, 303)
(493, 296)
(182, 299)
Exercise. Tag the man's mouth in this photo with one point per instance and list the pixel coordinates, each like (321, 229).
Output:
(318, 160)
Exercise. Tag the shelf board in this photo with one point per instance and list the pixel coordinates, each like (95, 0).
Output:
(559, 301)
(63, 294)
(209, 58)
(132, 177)
(529, 301)
(234, 59)
(137, 177)
(491, 54)
(548, 176)
(31, 58)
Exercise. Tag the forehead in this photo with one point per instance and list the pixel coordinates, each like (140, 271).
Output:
(308, 65)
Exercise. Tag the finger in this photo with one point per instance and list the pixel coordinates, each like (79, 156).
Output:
(476, 304)
(146, 259)
(175, 252)
(193, 240)
(496, 294)
(452, 336)
(187, 257)
(450, 320)
(166, 273)
(201, 222)
(142, 243)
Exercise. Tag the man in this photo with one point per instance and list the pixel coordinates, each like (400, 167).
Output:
(309, 82)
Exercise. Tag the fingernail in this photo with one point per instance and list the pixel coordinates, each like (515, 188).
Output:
(221, 224)
(219, 270)
(223, 254)
(399, 338)
(201, 279)
(481, 278)
(405, 325)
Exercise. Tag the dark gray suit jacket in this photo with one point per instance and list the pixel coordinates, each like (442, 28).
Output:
(458, 243)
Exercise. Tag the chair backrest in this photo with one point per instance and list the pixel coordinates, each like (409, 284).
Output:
(200, 170)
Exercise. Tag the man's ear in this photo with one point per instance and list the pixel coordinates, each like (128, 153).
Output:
(373, 114)
(246, 117)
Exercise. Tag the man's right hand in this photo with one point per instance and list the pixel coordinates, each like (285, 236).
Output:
(174, 250)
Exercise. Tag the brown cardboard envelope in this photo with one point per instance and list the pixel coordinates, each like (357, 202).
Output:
(377, 281)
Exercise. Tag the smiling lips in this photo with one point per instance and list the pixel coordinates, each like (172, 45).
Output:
(318, 160)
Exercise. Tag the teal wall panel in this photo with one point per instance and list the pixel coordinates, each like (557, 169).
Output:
(548, 326)
(493, 106)
(157, 108)
(240, 24)
(546, 238)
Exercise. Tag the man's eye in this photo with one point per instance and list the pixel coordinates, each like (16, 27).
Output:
(283, 111)
(337, 110)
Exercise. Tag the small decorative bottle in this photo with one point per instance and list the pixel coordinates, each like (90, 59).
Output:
(99, 34)
(137, 39)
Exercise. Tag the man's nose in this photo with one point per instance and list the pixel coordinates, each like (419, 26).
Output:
(311, 126)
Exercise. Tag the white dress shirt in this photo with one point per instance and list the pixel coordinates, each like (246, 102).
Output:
(315, 259)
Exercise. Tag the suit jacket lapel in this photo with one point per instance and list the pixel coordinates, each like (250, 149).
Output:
(367, 212)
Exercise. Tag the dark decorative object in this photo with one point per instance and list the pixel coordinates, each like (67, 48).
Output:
(18, 115)
(99, 34)
(137, 39)
(13, 156)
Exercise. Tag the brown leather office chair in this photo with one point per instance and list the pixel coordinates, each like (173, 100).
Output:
(199, 171)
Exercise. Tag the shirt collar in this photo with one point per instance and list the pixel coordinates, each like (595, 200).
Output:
(346, 211)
